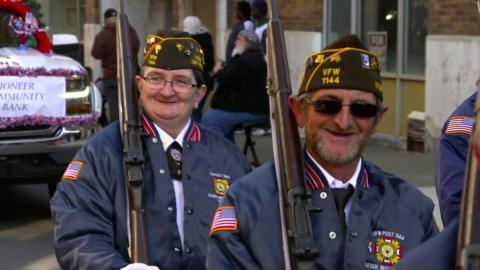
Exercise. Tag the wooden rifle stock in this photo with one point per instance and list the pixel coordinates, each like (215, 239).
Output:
(298, 244)
(468, 246)
(131, 130)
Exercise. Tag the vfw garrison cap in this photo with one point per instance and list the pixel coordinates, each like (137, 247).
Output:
(345, 64)
(173, 50)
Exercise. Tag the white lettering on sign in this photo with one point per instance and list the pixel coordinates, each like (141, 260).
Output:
(43, 95)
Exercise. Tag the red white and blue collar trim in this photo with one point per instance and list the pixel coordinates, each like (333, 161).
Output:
(315, 179)
(193, 134)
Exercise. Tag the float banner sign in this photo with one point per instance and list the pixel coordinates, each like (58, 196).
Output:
(42, 95)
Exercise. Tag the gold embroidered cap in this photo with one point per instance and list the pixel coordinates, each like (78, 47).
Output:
(173, 50)
(345, 64)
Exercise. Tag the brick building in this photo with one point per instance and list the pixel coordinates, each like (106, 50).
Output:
(429, 49)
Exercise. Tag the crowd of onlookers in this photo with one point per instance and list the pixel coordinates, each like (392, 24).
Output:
(236, 86)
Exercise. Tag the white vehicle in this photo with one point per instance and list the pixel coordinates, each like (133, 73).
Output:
(48, 109)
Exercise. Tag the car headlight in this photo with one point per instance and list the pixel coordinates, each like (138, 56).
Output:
(78, 95)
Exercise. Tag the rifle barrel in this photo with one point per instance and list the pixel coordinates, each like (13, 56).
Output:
(131, 131)
(299, 247)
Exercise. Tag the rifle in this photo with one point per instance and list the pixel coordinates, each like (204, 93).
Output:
(131, 130)
(298, 244)
(468, 243)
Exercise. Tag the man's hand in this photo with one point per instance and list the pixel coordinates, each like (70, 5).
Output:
(139, 266)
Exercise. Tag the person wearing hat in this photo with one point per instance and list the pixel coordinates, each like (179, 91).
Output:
(241, 95)
(182, 184)
(104, 49)
(361, 216)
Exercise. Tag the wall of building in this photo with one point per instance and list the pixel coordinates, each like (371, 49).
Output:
(452, 67)
(387, 125)
(300, 45)
(299, 15)
(453, 17)
(301, 21)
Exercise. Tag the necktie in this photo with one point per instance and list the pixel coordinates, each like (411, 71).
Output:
(174, 158)
(341, 196)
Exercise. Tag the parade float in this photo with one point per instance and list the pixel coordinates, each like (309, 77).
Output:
(48, 104)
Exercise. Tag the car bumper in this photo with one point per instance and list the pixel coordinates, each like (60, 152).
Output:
(29, 161)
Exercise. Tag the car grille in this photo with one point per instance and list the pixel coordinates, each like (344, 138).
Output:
(28, 131)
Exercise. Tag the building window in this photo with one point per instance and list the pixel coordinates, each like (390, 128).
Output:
(66, 17)
(379, 31)
(415, 35)
(338, 19)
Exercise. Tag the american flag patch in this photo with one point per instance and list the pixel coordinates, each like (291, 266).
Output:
(460, 124)
(73, 170)
(225, 219)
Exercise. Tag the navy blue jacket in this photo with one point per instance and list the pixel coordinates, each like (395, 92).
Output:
(90, 212)
(388, 218)
(451, 161)
(438, 253)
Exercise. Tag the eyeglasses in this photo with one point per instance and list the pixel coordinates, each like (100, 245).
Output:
(357, 109)
(179, 85)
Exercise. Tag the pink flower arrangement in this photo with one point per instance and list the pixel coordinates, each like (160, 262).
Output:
(39, 71)
(68, 121)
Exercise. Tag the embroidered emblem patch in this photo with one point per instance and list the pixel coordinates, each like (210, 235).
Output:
(220, 185)
(73, 170)
(179, 47)
(335, 58)
(386, 247)
(225, 219)
(176, 155)
(460, 124)
(365, 61)
(387, 251)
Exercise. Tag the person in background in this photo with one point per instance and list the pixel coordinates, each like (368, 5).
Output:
(452, 158)
(105, 49)
(182, 184)
(193, 26)
(242, 13)
(361, 216)
(440, 252)
(259, 14)
(241, 95)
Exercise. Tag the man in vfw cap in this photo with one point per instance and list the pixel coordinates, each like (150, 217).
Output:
(362, 217)
(183, 185)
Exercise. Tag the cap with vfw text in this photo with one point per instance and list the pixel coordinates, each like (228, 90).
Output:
(345, 64)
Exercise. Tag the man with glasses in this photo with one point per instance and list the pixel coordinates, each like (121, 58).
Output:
(361, 216)
(187, 170)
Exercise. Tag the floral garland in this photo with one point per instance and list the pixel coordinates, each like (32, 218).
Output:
(39, 71)
(68, 121)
